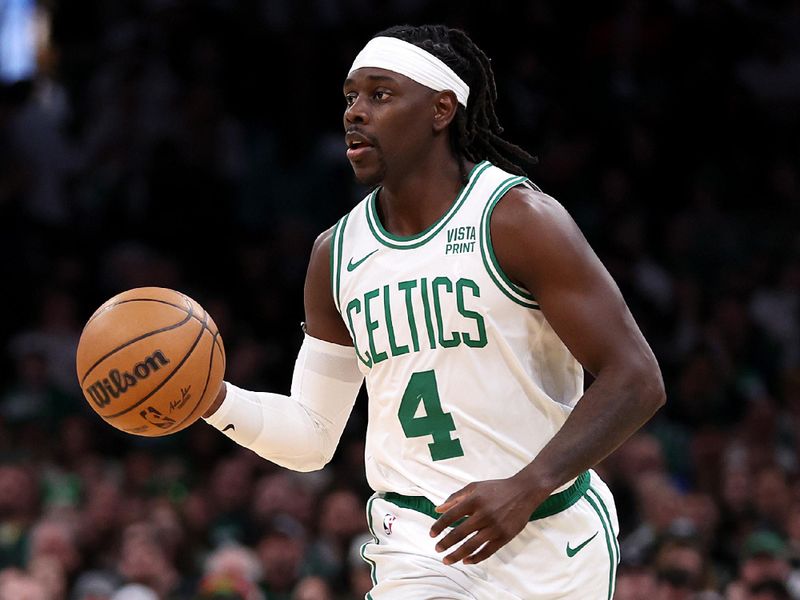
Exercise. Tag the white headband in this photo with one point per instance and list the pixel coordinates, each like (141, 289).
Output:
(413, 62)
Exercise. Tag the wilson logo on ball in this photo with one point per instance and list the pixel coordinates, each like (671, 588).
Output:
(117, 383)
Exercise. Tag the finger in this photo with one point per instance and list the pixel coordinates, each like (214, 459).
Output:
(458, 534)
(484, 553)
(468, 547)
(458, 511)
(453, 499)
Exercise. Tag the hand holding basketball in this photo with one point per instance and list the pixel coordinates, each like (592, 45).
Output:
(150, 361)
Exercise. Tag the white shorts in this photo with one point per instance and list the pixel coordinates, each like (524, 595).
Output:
(572, 554)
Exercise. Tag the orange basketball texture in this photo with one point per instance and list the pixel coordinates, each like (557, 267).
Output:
(150, 361)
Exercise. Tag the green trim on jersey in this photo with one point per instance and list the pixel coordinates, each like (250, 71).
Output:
(417, 240)
(609, 534)
(553, 505)
(508, 287)
(337, 240)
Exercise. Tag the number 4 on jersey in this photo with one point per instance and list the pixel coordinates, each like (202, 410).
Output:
(422, 389)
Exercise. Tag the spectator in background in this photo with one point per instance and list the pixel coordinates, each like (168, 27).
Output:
(54, 557)
(143, 561)
(282, 493)
(312, 588)
(20, 586)
(19, 503)
(772, 499)
(230, 489)
(763, 565)
(233, 570)
(93, 585)
(135, 591)
(165, 519)
(769, 590)
(340, 519)
(101, 520)
(682, 569)
(635, 581)
(49, 573)
(658, 504)
(281, 551)
(737, 512)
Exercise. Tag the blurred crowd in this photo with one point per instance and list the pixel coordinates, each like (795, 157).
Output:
(197, 145)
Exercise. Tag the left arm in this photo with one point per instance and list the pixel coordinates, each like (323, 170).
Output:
(540, 247)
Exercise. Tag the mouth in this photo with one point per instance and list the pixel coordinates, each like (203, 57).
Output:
(357, 145)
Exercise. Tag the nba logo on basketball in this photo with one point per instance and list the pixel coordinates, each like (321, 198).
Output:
(388, 521)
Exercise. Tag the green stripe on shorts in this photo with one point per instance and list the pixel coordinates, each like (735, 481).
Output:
(608, 518)
(372, 565)
(609, 533)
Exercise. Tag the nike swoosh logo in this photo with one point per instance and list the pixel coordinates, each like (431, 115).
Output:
(352, 266)
(230, 426)
(573, 551)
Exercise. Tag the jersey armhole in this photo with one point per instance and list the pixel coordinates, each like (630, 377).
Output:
(337, 241)
(513, 291)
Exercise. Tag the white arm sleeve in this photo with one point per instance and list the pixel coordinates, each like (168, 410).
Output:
(301, 431)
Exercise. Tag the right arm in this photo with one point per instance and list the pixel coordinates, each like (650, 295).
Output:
(300, 431)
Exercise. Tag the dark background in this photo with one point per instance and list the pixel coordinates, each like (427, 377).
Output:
(198, 145)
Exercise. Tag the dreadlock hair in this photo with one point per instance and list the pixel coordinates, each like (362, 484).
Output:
(475, 132)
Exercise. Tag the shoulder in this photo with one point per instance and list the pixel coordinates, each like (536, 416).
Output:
(319, 265)
(322, 245)
(533, 235)
(333, 236)
(530, 221)
(522, 208)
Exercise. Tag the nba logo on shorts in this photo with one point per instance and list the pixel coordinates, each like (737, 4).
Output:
(388, 521)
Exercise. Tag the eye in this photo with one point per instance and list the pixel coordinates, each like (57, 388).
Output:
(380, 95)
(349, 98)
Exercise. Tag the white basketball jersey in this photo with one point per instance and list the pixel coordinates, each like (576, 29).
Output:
(466, 379)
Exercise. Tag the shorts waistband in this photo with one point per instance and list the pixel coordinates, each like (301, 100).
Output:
(553, 505)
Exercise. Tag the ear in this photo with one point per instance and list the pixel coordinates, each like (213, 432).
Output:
(445, 105)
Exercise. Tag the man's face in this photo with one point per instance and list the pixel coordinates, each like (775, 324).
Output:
(763, 567)
(387, 122)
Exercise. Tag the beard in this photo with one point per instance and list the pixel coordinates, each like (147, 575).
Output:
(372, 177)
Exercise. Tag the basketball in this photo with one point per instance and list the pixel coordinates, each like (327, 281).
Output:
(150, 361)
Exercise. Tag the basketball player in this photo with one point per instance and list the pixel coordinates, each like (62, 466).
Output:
(471, 302)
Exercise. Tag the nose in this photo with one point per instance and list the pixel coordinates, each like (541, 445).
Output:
(356, 113)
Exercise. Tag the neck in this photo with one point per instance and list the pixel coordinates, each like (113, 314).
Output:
(410, 202)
